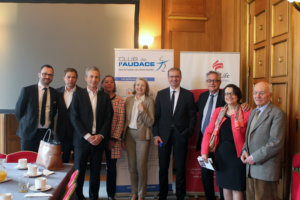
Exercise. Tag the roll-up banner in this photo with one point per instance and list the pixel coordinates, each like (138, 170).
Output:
(194, 66)
(152, 65)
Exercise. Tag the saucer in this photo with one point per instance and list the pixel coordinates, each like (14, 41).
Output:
(38, 174)
(32, 188)
(6, 179)
(21, 168)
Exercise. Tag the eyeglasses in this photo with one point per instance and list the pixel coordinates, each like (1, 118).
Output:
(259, 93)
(229, 94)
(210, 81)
(45, 74)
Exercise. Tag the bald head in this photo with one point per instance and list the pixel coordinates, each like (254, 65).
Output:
(262, 93)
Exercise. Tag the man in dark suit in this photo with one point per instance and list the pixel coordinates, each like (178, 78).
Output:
(175, 117)
(214, 98)
(64, 128)
(36, 109)
(91, 115)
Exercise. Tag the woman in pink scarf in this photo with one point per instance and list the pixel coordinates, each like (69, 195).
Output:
(228, 124)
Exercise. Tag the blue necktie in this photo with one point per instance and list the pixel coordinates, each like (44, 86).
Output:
(208, 113)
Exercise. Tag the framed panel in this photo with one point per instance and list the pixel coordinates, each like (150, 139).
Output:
(279, 18)
(279, 97)
(259, 63)
(260, 28)
(279, 59)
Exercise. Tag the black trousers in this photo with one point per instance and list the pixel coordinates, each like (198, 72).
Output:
(111, 176)
(179, 144)
(67, 145)
(33, 145)
(208, 182)
(82, 156)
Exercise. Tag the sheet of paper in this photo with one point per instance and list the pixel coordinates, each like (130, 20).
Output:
(207, 165)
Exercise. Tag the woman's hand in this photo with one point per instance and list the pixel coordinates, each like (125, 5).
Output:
(204, 157)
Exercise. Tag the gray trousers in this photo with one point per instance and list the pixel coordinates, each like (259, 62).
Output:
(138, 151)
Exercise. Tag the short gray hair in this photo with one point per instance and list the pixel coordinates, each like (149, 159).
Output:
(93, 68)
(214, 72)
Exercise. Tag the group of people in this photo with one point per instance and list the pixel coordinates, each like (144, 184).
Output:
(93, 120)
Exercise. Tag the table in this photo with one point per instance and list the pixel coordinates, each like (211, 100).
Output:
(58, 181)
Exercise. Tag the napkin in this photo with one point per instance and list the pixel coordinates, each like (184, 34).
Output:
(47, 172)
(39, 194)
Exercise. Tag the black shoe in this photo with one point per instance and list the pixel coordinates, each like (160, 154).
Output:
(111, 198)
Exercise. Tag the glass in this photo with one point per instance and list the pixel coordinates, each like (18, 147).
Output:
(210, 80)
(3, 173)
(23, 184)
(45, 74)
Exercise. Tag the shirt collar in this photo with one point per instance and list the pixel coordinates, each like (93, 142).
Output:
(262, 108)
(91, 92)
(177, 89)
(41, 87)
(215, 94)
(72, 90)
(141, 99)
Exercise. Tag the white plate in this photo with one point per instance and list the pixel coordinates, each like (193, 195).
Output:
(6, 179)
(38, 174)
(21, 168)
(32, 188)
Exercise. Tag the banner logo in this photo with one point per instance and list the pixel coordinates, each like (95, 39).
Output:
(216, 65)
(162, 64)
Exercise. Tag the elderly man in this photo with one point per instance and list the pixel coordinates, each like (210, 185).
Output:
(263, 145)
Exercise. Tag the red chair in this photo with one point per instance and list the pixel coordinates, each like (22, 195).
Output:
(2, 156)
(69, 194)
(14, 157)
(73, 179)
(295, 194)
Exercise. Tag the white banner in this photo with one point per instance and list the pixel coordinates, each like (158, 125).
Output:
(195, 65)
(152, 65)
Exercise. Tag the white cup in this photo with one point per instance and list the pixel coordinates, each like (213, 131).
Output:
(6, 196)
(22, 163)
(40, 183)
(32, 170)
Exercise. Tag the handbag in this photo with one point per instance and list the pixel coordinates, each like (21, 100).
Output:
(49, 153)
(212, 142)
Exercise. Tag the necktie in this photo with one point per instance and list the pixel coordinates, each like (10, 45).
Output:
(43, 108)
(208, 113)
(254, 120)
(173, 101)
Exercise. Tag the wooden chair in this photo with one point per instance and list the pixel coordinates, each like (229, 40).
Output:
(295, 194)
(69, 193)
(2, 156)
(14, 157)
(73, 179)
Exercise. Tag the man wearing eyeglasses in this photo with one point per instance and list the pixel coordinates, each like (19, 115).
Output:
(206, 104)
(35, 110)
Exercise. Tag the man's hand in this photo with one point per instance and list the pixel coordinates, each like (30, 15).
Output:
(157, 141)
(244, 156)
(95, 139)
(245, 107)
(250, 160)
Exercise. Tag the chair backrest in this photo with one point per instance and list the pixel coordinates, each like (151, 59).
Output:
(295, 194)
(2, 155)
(73, 179)
(70, 192)
(14, 157)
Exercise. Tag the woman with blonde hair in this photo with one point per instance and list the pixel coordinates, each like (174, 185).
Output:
(138, 134)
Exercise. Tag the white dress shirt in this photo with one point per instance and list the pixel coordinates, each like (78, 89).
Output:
(68, 95)
(135, 112)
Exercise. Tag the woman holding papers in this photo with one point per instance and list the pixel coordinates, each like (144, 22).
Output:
(138, 134)
(229, 124)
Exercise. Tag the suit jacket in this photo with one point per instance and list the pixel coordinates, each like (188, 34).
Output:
(64, 128)
(27, 111)
(200, 106)
(145, 119)
(265, 143)
(238, 134)
(82, 117)
(182, 121)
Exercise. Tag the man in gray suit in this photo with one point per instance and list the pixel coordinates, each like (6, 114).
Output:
(263, 145)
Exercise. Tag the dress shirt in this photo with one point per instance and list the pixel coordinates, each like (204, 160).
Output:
(68, 95)
(176, 96)
(47, 111)
(206, 106)
(135, 112)
(262, 108)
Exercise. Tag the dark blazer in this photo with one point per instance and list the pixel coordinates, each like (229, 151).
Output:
(200, 106)
(184, 118)
(63, 124)
(27, 111)
(82, 116)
